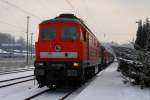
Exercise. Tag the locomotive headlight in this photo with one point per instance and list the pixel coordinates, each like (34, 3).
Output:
(75, 64)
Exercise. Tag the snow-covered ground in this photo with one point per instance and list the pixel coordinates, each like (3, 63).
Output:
(19, 91)
(27, 89)
(55, 94)
(24, 90)
(8, 78)
(15, 75)
(109, 86)
(11, 68)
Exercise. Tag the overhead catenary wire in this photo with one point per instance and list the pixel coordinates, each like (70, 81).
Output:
(21, 29)
(12, 25)
(5, 22)
(89, 16)
(89, 13)
(29, 13)
(73, 8)
(44, 4)
(21, 9)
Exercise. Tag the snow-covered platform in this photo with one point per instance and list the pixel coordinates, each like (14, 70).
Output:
(108, 85)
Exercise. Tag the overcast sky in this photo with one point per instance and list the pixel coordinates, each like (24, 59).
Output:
(110, 20)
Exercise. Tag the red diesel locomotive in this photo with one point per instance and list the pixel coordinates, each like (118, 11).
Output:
(67, 52)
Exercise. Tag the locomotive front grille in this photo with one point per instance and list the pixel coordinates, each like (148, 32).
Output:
(58, 69)
(58, 65)
(55, 74)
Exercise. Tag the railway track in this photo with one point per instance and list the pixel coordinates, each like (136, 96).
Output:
(66, 95)
(36, 95)
(40, 93)
(47, 90)
(13, 81)
(16, 71)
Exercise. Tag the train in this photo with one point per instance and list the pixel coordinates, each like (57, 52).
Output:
(107, 57)
(67, 52)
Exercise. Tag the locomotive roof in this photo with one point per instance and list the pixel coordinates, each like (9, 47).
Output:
(68, 18)
(62, 20)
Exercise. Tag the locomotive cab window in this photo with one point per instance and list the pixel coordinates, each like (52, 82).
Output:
(69, 33)
(48, 33)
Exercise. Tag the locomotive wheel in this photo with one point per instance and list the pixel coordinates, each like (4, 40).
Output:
(142, 86)
(147, 83)
(81, 81)
(83, 77)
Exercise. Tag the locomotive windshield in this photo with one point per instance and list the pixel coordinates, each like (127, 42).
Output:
(48, 33)
(69, 33)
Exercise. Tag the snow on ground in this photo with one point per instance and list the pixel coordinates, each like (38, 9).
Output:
(56, 94)
(109, 86)
(27, 89)
(19, 91)
(9, 68)
(15, 75)
(3, 51)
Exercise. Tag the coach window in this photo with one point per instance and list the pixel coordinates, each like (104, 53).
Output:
(48, 33)
(69, 33)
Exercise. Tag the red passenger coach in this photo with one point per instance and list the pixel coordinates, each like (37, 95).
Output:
(107, 57)
(66, 52)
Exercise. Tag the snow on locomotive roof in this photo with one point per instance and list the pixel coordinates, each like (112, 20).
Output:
(62, 20)
(65, 18)
(3, 51)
